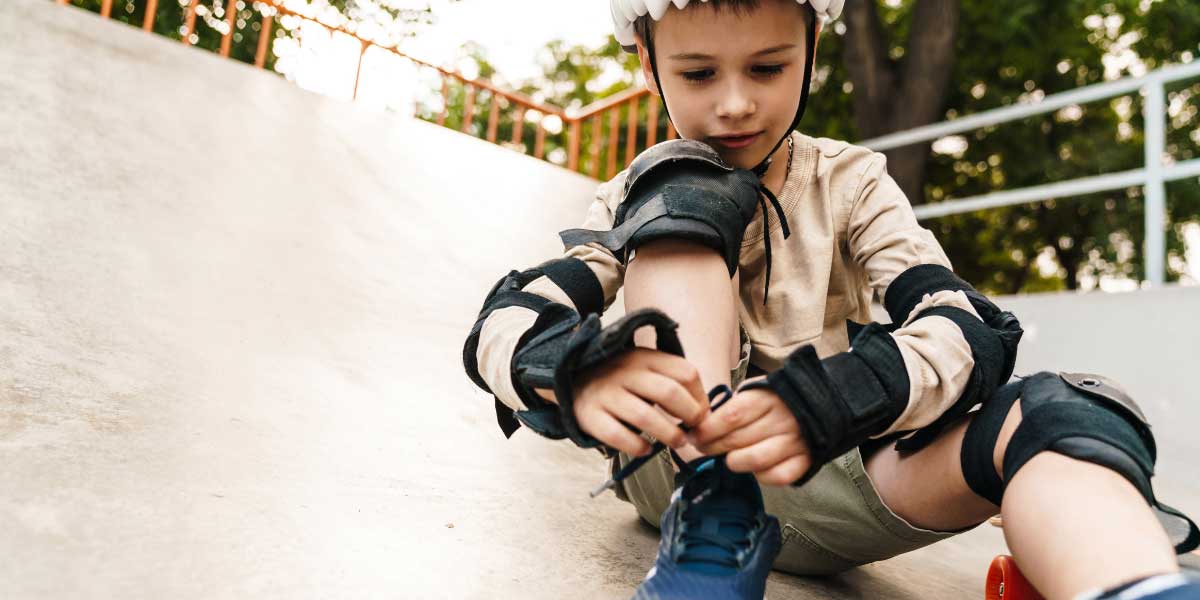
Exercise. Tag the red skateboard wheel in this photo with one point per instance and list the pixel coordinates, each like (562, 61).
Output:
(1005, 582)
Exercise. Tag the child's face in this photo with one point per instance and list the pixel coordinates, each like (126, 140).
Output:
(727, 73)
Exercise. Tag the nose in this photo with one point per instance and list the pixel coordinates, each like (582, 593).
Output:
(735, 101)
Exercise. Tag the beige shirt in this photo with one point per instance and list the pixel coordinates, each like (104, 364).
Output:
(852, 233)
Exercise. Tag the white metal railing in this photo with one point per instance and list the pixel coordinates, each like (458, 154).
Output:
(1153, 176)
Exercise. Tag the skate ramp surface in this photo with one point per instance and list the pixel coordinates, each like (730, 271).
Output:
(231, 317)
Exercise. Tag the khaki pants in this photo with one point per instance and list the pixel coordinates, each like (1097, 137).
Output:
(835, 522)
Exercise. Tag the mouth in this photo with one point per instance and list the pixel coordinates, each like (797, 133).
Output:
(738, 140)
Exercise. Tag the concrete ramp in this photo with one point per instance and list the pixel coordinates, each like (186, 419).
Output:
(231, 317)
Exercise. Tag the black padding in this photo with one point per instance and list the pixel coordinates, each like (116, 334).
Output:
(878, 350)
(986, 376)
(911, 286)
(679, 189)
(842, 401)
(559, 355)
(1056, 417)
(569, 274)
(504, 299)
(506, 419)
(979, 444)
(1052, 411)
(579, 283)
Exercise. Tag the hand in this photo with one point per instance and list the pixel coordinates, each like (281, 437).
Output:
(642, 388)
(759, 434)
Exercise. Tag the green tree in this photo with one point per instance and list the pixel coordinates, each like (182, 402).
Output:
(878, 71)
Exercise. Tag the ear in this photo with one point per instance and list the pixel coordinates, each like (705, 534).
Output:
(647, 72)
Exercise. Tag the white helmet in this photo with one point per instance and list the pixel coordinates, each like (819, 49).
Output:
(625, 12)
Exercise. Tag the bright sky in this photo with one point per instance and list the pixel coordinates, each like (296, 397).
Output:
(511, 34)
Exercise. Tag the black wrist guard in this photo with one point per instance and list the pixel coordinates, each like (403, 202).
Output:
(844, 400)
(559, 356)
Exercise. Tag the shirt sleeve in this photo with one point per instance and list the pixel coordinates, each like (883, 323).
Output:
(885, 240)
(504, 328)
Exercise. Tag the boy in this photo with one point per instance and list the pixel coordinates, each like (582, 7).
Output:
(862, 439)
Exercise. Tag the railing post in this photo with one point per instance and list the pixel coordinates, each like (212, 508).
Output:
(106, 8)
(539, 142)
(1154, 114)
(493, 118)
(594, 146)
(469, 108)
(189, 23)
(231, 21)
(573, 146)
(264, 38)
(651, 121)
(519, 126)
(671, 133)
(362, 51)
(445, 100)
(148, 21)
(631, 131)
(614, 129)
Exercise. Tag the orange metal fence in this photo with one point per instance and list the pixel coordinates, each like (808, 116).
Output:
(593, 140)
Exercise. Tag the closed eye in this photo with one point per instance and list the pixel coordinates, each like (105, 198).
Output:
(700, 75)
(768, 69)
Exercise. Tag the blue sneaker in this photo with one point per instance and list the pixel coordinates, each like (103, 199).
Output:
(717, 541)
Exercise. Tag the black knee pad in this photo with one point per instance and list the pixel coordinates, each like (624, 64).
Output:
(1086, 417)
(680, 189)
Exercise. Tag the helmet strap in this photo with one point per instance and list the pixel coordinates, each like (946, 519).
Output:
(809, 59)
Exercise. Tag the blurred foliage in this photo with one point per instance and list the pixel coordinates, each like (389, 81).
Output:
(395, 23)
(1007, 52)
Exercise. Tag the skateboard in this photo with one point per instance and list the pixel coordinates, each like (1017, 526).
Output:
(1004, 579)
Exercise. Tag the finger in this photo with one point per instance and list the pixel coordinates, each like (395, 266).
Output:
(787, 472)
(637, 412)
(765, 454)
(666, 393)
(768, 426)
(738, 412)
(606, 428)
(688, 376)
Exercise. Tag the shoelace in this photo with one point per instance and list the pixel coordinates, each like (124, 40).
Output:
(767, 231)
(783, 222)
(637, 463)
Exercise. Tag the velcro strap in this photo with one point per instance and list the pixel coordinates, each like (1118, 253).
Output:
(578, 281)
(877, 348)
(614, 239)
(979, 443)
(907, 290)
(556, 353)
(842, 401)
(540, 349)
(985, 346)
(1052, 422)
(503, 299)
(987, 375)
(592, 345)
